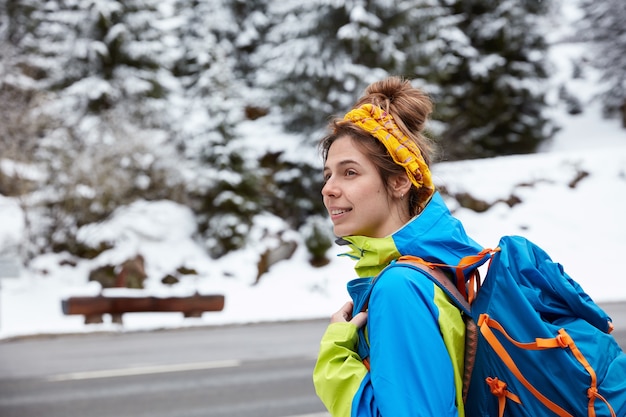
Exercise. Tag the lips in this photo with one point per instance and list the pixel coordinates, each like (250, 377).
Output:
(336, 212)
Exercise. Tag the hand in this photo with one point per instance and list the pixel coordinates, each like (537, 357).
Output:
(345, 315)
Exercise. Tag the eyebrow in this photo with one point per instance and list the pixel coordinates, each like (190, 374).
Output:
(343, 162)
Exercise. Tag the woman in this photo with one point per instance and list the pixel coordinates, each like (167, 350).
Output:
(397, 348)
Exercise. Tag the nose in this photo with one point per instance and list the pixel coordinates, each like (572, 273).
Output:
(330, 188)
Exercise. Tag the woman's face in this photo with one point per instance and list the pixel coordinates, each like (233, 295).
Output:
(355, 196)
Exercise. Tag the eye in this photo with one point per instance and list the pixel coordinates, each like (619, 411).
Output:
(350, 173)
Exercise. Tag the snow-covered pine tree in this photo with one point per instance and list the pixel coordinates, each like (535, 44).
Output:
(289, 180)
(137, 100)
(234, 179)
(101, 137)
(18, 95)
(490, 80)
(320, 55)
(252, 22)
(604, 27)
(483, 62)
(223, 179)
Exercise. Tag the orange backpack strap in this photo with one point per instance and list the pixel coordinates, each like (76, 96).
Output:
(439, 278)
(562, 340)
(469, 289)
(499, 389)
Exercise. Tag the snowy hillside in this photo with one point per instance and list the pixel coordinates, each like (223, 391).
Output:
(569, 200)
(581, 227)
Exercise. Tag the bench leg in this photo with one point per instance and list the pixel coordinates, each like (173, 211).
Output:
(117, 318)
(93, 318)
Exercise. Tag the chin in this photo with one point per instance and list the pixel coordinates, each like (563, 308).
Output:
(343, 231)
(340, 232)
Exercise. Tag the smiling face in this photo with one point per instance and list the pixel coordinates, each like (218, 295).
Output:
(357, 200)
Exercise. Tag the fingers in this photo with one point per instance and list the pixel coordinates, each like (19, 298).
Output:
(344, 314)
(360, 319)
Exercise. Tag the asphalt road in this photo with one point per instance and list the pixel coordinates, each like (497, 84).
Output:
(261, 370)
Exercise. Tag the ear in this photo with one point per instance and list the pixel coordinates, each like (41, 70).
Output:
(400, 184)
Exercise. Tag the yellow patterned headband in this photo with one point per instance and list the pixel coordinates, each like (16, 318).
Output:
(404, 151)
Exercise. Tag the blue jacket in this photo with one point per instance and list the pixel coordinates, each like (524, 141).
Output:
(414, 338)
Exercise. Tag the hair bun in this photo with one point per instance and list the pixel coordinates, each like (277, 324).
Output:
(409, 106)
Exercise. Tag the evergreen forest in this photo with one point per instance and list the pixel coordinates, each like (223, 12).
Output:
(106, 102)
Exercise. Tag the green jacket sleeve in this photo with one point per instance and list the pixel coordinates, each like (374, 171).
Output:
(339, 372)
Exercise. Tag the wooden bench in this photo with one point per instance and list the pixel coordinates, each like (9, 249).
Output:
(94, 307)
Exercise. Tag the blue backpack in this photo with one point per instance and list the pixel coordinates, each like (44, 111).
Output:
(537, 345)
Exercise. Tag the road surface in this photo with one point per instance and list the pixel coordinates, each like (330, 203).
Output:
(261, 370)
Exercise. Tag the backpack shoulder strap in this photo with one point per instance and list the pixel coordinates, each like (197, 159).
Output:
(440, 279)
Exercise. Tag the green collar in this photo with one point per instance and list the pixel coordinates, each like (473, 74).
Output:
(372, 254)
